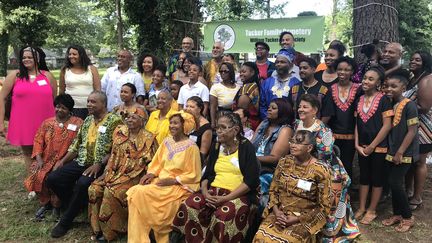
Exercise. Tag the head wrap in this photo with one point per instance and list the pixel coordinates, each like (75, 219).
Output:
(189, 121)
(134, 110)
(288, 53)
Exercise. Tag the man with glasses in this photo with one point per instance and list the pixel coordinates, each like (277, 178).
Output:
(265, 66)
(115, 77)
(186, 47)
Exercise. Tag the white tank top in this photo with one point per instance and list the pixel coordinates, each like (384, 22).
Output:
(79, 86)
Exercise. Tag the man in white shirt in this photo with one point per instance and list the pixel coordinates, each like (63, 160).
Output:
(115, 77)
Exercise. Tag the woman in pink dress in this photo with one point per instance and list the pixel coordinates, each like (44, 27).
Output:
(33, 89)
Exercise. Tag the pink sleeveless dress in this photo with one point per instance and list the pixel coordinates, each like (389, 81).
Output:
(32, 103)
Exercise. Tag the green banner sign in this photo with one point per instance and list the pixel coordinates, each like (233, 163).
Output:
(240, 36)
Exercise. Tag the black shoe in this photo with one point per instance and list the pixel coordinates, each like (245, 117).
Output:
(59, 231)
(40, 213)
(56, 213)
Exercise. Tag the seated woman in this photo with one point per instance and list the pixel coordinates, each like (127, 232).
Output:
(341, 225)
(202, 135)
(158, 122)
(226, 205)
(270, 141)
(127, 95)
(133, 148)
(300, 196)
(172, 176)
(51, 143)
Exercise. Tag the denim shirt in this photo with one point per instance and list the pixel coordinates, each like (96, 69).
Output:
(269, 142)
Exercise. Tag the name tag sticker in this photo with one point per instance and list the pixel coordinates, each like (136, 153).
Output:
(72, 127)
(235, 162)
(193, 138)
(42, 82)
(102, 129)
(305, 185)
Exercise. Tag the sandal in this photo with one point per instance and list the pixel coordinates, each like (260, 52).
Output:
(368, 218)
(405, 225)
(358, 214)
(392, 220)
(414, 203)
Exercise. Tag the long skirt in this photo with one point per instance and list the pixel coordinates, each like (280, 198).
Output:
(341, 225)
(107, 209)
(227, 223)
(36, 182)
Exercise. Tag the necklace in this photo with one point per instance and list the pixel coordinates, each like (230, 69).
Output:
(61, 122)
(228, 151)
(308, 87)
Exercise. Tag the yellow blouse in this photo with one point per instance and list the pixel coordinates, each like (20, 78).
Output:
(228, 174)
(158, 127)
(174, 105)
(147, 82)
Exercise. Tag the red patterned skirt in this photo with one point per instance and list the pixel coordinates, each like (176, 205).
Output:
(227, 223)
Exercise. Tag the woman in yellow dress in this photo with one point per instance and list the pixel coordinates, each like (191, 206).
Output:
(133, 148)
(300, 196)
(173, 175)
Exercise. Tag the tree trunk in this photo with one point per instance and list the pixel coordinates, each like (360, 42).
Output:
(334, 23)
(374, 19)
(119, 25)
(4, 43)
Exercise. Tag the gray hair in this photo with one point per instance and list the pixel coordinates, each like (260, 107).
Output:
(101, 95)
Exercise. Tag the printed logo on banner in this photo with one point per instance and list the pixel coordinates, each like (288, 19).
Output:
(225, 34)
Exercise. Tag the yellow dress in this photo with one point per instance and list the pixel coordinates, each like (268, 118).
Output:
(154, 207)
(158, 127)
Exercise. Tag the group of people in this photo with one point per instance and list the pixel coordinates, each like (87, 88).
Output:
(220, 153)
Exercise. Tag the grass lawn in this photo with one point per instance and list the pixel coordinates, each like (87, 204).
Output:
(17, 212)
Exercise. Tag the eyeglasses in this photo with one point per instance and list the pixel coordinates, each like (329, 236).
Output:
(223, 71)
(295, 142)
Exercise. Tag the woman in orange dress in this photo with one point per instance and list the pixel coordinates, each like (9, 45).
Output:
(51, 143)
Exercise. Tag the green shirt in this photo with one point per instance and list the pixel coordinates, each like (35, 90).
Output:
(93, 152)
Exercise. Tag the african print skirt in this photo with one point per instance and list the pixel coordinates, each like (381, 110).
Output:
(227, 223)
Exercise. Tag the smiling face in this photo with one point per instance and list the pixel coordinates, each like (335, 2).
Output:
(370, 81)
(95, 104)
(147, 64)
(391, 55)
(133, 121)
(246, 73)
(287, 41)
(217, 50)
(74, 56)
(224, 73)
(158, 77)
(192, 108)
(306, 111)
(124, 59)
(261, 52)
(187, 44)
(395, 88)
(176, 126)
(306, 71)
(226, 130)
(344, 71)
(330, 56)
(27, 60)
(416, 63)
(164, 101)
(126, 94)
(194, 72)
(61, 111)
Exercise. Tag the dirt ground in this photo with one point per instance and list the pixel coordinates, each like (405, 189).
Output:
(16, 211)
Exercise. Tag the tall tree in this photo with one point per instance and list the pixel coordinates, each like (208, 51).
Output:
(4, 42)
(375, 19)
(118, 4)
(415, 18)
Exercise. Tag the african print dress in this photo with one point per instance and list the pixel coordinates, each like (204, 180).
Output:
(127, 164)
(51, 142)
(341, 225)
(310, 202)
(153, 207)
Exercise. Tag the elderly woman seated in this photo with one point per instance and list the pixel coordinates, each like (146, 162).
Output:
(172, 176)
(133, 148)
(226, 205)
(158, 122)
(51, 143)
(300, 195)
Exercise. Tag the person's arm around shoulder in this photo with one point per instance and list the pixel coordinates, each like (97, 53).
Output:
(53, 83)
(4, 92)
(96, 78)
(62, 81)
